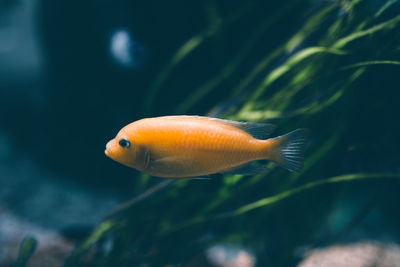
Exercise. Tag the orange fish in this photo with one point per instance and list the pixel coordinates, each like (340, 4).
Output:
(193, 146)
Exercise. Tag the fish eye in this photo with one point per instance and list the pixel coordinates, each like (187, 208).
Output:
(124, 142)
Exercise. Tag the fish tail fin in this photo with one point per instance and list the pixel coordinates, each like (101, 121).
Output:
(288, 150)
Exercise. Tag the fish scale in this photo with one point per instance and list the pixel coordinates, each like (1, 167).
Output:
(190, 146)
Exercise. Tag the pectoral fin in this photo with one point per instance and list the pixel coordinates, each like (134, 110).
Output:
(165, 165)
(166, 160)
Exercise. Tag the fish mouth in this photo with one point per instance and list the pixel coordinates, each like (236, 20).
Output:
(107, 151)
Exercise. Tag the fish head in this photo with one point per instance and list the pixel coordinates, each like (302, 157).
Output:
(124, 150)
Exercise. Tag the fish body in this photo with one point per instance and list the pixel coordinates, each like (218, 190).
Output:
(193, 146)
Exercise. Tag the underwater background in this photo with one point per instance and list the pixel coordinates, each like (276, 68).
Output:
(72, 73)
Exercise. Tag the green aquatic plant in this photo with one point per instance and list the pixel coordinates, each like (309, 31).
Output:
(26, 250)
(330, 67)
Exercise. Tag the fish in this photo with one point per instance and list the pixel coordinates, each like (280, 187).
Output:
(186, 146)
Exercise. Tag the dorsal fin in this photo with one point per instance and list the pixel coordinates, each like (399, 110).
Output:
(255, 129)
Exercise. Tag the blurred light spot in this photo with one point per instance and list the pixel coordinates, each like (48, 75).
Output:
(227, 256)
(126, 51)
